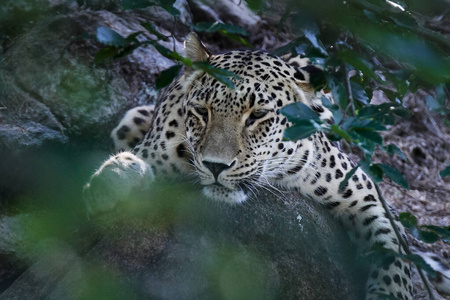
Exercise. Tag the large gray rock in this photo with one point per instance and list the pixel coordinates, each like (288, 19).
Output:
(50, 88)
(184, 247)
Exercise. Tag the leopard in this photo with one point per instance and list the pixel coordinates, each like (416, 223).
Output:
(231, 140)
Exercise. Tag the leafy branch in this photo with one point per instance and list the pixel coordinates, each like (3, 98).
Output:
(119, 46)
(359, 60)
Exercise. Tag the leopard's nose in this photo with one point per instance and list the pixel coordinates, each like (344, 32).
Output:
(216, 168)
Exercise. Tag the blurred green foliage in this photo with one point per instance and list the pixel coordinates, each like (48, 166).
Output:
(362, 45)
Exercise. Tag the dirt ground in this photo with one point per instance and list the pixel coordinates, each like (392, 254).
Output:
(425, 141)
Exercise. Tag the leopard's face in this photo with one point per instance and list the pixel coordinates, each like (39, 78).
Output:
(236, 136)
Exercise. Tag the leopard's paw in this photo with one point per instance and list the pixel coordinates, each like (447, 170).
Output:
(115, 181)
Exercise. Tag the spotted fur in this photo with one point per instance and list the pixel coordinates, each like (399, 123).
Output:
(133, 127)
(231, 141)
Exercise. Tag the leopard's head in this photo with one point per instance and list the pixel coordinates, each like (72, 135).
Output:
(236, 135)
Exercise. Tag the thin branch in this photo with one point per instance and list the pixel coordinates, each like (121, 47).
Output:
(401, 240)
(173, 33)
(348, 89)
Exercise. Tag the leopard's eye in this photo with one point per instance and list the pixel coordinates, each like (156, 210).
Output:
(201, 111)
(256, 115)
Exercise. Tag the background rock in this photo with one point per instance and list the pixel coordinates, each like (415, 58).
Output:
(51, 90)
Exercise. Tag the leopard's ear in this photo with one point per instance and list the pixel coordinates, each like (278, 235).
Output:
(305, 69)
(302, 78)
(310, 76)
(297, 61)
(195, 50)
(304, 72)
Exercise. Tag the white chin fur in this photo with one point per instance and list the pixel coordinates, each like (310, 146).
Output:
(219, 193)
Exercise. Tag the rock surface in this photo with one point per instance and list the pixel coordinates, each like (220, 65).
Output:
(51, 89)
(269, 248)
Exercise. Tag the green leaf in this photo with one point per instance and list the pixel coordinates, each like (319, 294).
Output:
(318, 80)
(400, 79)
(380, 256)
(127, 49)
(171, 55)
(327, 103)
(358, 62)
(298, 111)
(339, 92)
(395, 175)
(109, 37)
(408, 220)
(402, 112)
(256, 5)
(342, 133)
(426, 236)
(312, 37)
(432, 103)
(353, 122)
(283, 19)
(373, 170)
(336, 111)
(301, 130)
(418, 261)
(150, 28)
(365, 124)
(369, 134)
(445, 172)
(289, 47)
(230, 31)
(217, 26)
(431, 235)
(347, 177)
(444, 232)
(430, 63)
(384, 257)
(404, 20)
(371, 111)
(384, 112)
(167, 76)
(392, 149)
(171, 10)
(359, 93)
(236, 38)
(221, 75)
